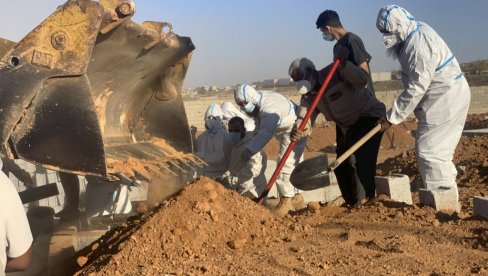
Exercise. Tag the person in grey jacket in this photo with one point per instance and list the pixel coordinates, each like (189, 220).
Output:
(354, 109)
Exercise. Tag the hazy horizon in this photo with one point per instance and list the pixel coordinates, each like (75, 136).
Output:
(244, 41)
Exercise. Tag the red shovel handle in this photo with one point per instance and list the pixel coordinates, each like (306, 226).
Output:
(301, 127)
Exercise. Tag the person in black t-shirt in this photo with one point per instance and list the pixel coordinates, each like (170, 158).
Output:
(332, 29)
(328, 22)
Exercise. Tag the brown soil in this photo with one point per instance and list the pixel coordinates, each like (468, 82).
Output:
(323, 139)
(151, 167)
(470, 158)
(476, 121)
(209, 230)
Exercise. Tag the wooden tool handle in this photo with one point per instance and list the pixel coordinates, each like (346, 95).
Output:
(353, 148)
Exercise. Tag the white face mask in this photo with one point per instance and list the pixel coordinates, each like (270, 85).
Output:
(211, 123)
(390, 40)
(327, 37)
(249, 108)
(304, 86)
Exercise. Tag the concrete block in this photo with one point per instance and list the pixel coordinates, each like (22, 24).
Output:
(139, 193)
(332, 192)
(441, 199)
(19, 162)
(29, 167)
(44, 202)
(396, 186)
(480, 207)
(40, 179)
(85, 238)
(322, 195)
(52, 177)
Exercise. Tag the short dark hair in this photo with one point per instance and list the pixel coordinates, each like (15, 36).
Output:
(328, 17)
(236, 120)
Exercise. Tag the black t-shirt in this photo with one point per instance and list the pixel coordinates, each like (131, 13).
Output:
(357, 53)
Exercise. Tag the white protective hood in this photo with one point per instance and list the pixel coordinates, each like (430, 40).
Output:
(396, 20)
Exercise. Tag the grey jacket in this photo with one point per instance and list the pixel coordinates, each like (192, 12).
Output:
(346, 99)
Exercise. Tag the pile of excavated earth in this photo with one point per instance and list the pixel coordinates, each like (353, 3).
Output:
(207, 229)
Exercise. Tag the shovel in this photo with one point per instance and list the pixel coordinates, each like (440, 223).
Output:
(314, 173)
(282, 162)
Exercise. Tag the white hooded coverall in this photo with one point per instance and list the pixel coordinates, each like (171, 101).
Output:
(435, 90)
(250, 176)
(230, 111)
(214, 145)
(276, 117)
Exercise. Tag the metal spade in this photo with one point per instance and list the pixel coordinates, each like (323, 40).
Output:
(314, 173)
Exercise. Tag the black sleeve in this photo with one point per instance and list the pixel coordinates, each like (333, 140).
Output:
(357, 52)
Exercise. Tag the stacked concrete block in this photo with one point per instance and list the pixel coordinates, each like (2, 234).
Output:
(323, 195)
(139, 193)
(29, 167)
(396, 186)
(52, 177)
(40, 179)
(441, 199)
(480, 207)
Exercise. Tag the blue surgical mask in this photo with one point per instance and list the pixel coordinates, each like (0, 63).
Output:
(249, 107)
(327, 37)
(235, 137)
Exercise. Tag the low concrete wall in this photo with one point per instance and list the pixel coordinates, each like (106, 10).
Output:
(195, 109)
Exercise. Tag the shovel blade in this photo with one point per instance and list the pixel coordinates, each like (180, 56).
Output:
(311, 174)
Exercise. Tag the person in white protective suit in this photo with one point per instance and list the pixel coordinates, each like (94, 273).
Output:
(248, 178)
(214, 145)
(230, 111)
(102, 196)
(435, 90)
(274, 115)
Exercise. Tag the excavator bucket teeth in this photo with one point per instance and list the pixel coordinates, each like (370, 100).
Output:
(89, 91)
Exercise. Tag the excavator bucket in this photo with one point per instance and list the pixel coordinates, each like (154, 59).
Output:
(91, 92)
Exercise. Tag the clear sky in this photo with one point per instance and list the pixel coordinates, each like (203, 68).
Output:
(240, 41)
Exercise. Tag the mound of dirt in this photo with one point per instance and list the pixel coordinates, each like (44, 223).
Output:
(204, 229)
(208, 230)
(470, 158)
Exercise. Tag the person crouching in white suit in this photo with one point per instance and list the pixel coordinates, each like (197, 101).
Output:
(214, 145)
(230, 111)
(249, 177)
(275, 116)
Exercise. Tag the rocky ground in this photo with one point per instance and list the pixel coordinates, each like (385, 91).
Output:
(207, 229)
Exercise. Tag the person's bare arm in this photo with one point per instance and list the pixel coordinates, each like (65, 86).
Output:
(364, 66)
(19, 263)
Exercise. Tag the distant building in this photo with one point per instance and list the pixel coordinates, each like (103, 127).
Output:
(381, 76)
(213, 88)
(257, 84)
(284, 82)
(268, 83)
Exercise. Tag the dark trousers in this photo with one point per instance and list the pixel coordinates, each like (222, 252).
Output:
(356, 174)
(71, 187)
